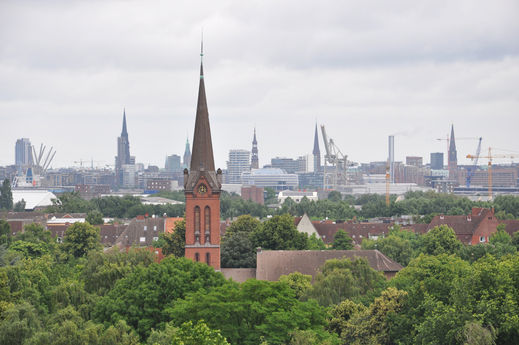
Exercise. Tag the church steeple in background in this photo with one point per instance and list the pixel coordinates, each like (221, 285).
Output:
(316, 152)
(124, 132)
(254, 162)
(452, 157)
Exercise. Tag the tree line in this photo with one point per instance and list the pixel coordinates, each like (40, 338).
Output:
(74, 293)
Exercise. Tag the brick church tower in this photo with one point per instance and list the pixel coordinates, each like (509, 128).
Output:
(202, 187)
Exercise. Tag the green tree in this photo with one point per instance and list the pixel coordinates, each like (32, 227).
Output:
(102, 270)
(252, 311)
(298, 282)
(244, 223)
(18, 323)
(174, 242)
(94, 217)
(373, 325)
(279, 233)
(197, 334)
(315, 243)
(345, 278)
(6, 196)
(342, 241)
(80, 238)
(501, 236)
(19, 206)
(439, 240)
(5, 232)
(141, 297)
(334, 196)
(237, 251)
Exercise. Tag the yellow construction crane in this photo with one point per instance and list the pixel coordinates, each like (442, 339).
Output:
(490, 157)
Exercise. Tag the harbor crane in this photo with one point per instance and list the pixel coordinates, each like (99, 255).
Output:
(472, 169)
(339, 162)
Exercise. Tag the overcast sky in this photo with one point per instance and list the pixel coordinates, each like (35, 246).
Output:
(364, 69)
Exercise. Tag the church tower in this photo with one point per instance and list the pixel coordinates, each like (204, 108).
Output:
(316, 152)
(453, 157)
(254, 161)
(187, 155)
(202, 188)
(123, 152)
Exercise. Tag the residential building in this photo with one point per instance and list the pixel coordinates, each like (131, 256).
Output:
(253, 193)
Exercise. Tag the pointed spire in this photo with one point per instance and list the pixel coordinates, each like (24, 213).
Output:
(254, 141)
(316, 142)
(452, 143)
(202, 156)
(124, 132)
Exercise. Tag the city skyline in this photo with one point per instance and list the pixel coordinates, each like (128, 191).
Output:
(364, 72)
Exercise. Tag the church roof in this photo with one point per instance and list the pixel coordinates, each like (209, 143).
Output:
(202, 155)
(316, 150)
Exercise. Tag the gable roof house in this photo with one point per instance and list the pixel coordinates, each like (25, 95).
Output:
(474, 228)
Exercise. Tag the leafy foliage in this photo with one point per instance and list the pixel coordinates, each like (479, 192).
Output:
(140, 298)
(6, 196)
(80, 238)
(345, 278)
(252, 311)
(342, 241)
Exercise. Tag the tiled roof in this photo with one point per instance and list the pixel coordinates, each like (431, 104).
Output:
(141, 232)
(271, 264)
(511, 226)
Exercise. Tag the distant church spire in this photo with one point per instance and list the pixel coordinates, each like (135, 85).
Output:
(452, 157)
(124, 132)
(187, 155)
(254, 159)
(316, 152)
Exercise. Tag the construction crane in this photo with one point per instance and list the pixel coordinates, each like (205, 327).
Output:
(472, 170)
(447, 139)
(490, 158)
(337, 159)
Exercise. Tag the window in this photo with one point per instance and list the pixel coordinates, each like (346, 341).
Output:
(208, 258)
(155, 238)
(154, 228)
(207, 215)
(197, 219)
(482, 239)
(197, 257)
(145, 227)
(143, 239)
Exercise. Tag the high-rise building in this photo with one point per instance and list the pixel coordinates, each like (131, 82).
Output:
(202, 188)
(453, 157)
(123, 152)
(436, 160)
(290, 165)
(254, 162)
(239, 162)
(173, 163)
(23, 153)
(414, 160)
(316, 152)
(391, 158)
(187, 155)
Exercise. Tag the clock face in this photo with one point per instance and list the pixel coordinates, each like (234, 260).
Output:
(202, 189)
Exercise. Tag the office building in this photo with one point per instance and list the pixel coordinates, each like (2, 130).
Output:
(239, 162)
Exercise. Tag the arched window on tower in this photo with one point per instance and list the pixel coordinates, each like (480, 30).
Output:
(208, 258)
(207, 220)
(197, 224)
